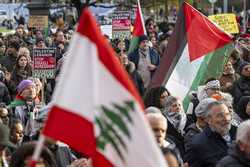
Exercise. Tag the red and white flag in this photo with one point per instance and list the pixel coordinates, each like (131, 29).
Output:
(139, 28)
(96, 109)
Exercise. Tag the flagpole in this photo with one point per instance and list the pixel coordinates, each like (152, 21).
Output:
(37, 151)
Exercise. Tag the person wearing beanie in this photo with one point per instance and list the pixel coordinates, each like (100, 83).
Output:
(9, 60)
(25, 108)
(145, 59)
(241, 88)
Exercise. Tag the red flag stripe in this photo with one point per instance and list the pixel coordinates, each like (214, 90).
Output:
(203, 33)
(88, 28)
(139, 29)
(69, 127)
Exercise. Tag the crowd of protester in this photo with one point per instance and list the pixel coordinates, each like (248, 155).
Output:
(215, 131)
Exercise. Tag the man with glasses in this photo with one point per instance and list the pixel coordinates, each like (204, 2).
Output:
(212, 144)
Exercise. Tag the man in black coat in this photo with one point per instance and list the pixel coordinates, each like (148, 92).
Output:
(211, 145)
(239, 153)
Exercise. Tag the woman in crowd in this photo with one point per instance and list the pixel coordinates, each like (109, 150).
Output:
(156, 97)
(177, 121)
(22, 69)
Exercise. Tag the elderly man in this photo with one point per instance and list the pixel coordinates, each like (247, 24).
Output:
(159, 126)
(239, 153)
(201, 113)
(208, 147)
(145, 59)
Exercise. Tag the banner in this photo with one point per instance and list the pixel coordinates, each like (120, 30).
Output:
(121, 25)
(38, 21)
(44, 63)
(226, 21)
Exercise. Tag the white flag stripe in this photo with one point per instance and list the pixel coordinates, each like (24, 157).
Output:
(183, 75)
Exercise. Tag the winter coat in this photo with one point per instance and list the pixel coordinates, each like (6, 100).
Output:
(172, 146)
(4, 94)
(235, 158)
(191, 131)
(207, 148)
(136, 78)
(241, 88)
(241, 108)
(154, 57)
(176, 136)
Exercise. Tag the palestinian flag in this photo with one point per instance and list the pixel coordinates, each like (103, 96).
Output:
(96, 110)
(197, 50)
(139, 29)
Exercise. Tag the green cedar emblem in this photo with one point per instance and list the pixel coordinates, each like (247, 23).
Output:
(112, 123)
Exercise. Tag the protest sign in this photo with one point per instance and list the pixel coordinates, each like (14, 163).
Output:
(121, 25)
(226, 21)
(38, 21)
(44, 63)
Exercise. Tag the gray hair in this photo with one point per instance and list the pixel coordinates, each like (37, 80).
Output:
(169, 101)
(215, 103)
(202, 109)
(243, 132)
(156, 117)
(227, 98)
(152, 109)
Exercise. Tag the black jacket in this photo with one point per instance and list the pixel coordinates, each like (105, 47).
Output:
(207, 148)
(236, 158)
(135, 77)
(4, 94)
(240, 88)
(191, 131)
(176, 136)
(154, 57)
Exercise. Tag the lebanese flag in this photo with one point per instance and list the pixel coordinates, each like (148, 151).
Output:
(96, 108)
(197, 50)
(139, 29)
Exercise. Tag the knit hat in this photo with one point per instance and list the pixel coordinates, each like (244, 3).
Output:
(242, 65)
(202, 109)
(143, 38)
(23, 85)
(214, 84)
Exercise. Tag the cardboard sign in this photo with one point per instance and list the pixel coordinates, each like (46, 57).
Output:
(44, 63)
(121, 25)
(226, 21)
(38, 21)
